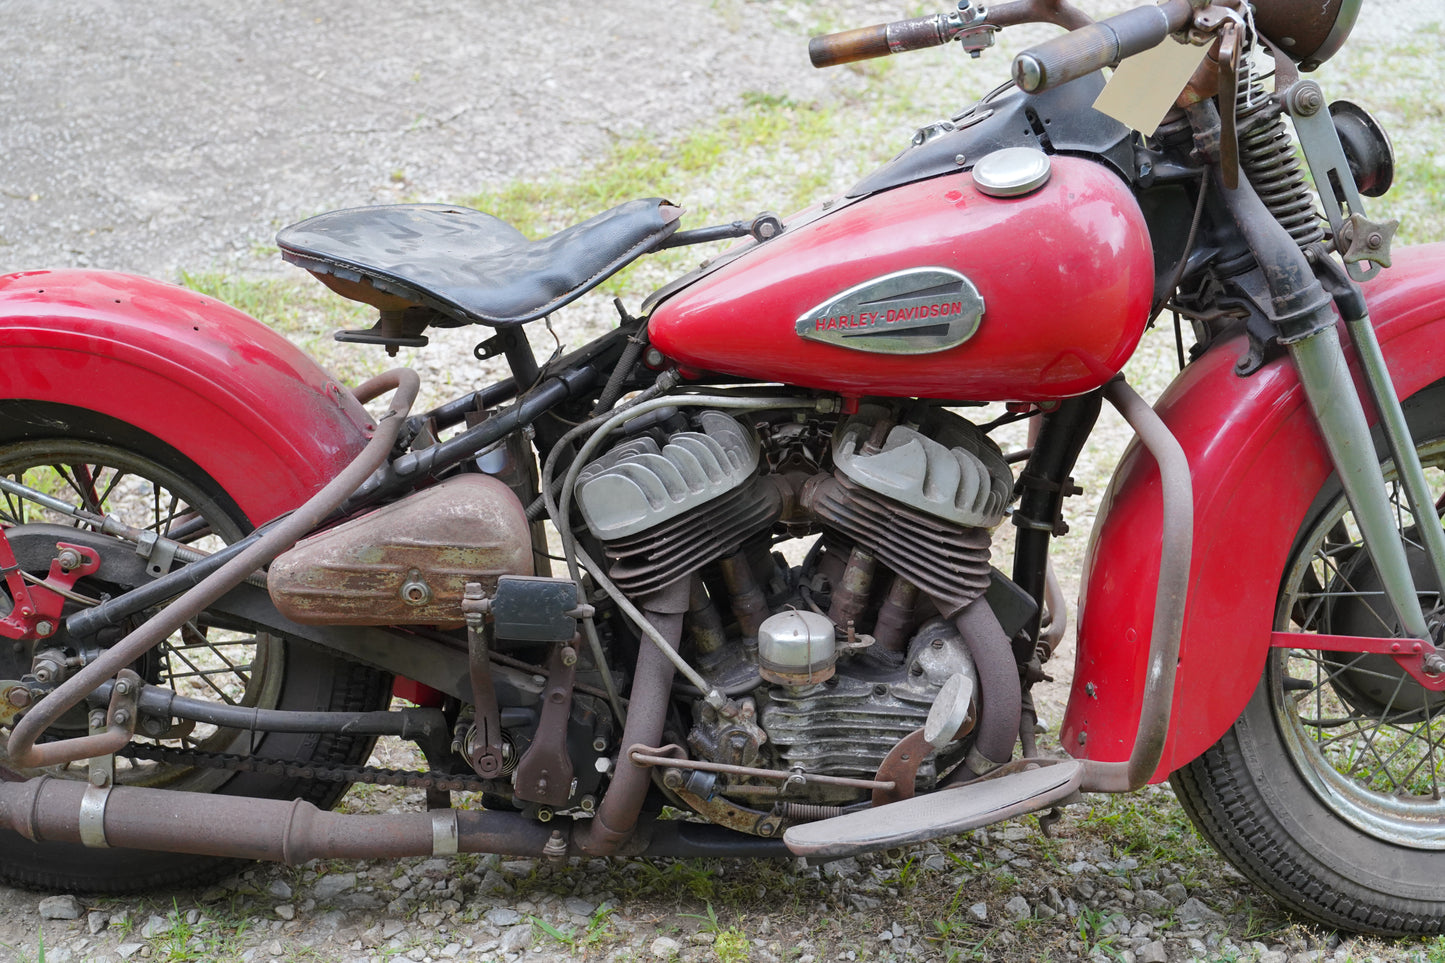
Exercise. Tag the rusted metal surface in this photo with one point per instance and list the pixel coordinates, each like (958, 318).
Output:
(621, 806)
(120, 720)
(484, 747)
(722, 811)
(53, 810)
(407, 563)
(544, 774)
(998, 682)
(851, 595)
(900, 767)
(671, 756)
(287, 831)
(896, 615)
(748, 602)
(155, 630)
(704, 627)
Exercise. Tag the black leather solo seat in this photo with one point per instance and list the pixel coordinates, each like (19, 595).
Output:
(438, 264)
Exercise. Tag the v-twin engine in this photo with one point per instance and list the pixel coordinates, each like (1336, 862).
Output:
(826, 563)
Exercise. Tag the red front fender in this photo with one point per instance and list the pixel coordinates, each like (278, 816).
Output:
(1257, 461)
(227, 392)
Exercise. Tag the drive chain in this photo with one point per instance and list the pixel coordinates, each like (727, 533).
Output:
(373, 775)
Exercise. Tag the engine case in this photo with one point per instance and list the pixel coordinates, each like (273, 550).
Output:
(407, 563)
(848, 725)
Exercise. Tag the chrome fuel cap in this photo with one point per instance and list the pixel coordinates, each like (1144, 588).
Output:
(1012, 171)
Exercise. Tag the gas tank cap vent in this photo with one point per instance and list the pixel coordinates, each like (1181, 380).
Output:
(1012, 171)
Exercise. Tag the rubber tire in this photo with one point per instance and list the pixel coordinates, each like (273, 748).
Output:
(312, 679)
(1247, 797)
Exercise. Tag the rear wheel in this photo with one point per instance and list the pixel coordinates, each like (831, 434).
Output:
(109, 467)
(1327, 792)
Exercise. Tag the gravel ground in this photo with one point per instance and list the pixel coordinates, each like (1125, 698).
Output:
(180, 137)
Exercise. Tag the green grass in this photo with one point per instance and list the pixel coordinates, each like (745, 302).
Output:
(297, 308)
(208, 938)
(730, 943)
(598, 930)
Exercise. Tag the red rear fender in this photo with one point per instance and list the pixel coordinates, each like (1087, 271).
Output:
(1258, 463)
(224, 390)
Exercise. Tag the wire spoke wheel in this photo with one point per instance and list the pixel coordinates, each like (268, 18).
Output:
(1362, 732)
(202, 660)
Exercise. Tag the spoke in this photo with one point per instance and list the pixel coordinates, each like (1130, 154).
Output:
(205, 676)
(193, 638)
(163, 520)
(14, 508)
(84, 484)
(110, 485)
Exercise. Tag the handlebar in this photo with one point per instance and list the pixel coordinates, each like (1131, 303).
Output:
(1087, 49)
(864, 43)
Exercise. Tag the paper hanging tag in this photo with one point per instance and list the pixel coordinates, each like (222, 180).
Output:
(1145, 86)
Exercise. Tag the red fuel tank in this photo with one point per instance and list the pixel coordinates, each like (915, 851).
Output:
(932, 289)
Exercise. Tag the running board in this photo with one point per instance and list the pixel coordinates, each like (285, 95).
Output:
(936, 814)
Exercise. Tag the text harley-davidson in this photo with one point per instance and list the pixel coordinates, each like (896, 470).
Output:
(218, 567)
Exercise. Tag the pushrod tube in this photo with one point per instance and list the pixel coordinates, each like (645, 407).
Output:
(23, 750)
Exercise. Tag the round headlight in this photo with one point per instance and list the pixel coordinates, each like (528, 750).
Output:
(1309, 31)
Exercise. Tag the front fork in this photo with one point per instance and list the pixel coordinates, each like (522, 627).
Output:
(1304, 319)
(1330, 390)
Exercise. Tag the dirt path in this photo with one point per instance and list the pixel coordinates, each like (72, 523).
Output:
(181, 134)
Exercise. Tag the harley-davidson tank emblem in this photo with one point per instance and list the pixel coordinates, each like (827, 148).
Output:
(918, 311)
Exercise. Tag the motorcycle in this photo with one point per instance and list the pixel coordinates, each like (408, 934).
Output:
(733, 557)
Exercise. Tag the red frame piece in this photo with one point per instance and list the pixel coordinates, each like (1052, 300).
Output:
(42, 604)
(1409, 653)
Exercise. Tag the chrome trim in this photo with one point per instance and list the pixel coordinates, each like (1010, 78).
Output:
(92, 817)
(445, 833)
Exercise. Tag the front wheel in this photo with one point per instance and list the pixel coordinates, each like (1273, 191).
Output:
(1327, 792)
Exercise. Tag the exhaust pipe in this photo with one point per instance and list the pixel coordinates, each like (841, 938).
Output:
(285, 831)
(293, 832)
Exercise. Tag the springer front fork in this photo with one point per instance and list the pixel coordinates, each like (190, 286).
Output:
(1305, 286)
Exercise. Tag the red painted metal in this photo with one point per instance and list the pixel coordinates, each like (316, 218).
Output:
(35, 609)
(236, 398)
(1258, 463)
(1065, 274)
(1348, 643)
(1408, 653)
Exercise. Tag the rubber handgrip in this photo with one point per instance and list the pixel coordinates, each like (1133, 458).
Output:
(864, 43)
(899, 36)
(1083, 51)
